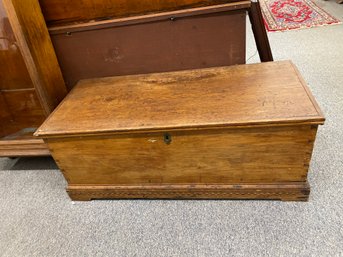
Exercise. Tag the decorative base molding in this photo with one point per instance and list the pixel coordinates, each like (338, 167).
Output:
(277, 191)
(23, 148)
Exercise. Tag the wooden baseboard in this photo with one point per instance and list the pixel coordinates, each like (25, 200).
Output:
(277, 191)
(23, 148)
(23, 144)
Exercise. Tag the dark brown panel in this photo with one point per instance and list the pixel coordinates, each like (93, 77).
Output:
(62, 11)
(152, 46)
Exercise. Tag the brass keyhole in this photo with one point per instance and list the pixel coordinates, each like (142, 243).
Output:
(167, 138)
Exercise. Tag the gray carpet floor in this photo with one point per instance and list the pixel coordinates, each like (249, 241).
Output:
(38, 219)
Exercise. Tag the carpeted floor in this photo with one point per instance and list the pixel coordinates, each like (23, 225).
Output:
(38, 219)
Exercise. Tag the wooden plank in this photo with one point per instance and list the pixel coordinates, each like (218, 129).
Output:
(174, 15)
(34, 42)
(245, 95)
(63, 11)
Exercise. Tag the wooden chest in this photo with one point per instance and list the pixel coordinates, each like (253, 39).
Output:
(239, 132)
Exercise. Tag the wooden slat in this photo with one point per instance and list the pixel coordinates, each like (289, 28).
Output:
(34, 42)
(118, 22)
(65, 11)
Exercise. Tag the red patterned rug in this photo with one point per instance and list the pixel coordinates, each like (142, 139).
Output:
(280, 15)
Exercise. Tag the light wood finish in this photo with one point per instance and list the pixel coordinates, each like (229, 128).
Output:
(22, 144)
(244, 132)
(275, 154)
(34, 42)
(184, 100)
(63, 11)
(23, 148)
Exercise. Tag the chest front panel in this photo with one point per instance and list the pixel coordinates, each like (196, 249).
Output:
(276, 154)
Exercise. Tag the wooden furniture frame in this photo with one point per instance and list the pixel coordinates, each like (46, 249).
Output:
(260, 32)
(33, 41)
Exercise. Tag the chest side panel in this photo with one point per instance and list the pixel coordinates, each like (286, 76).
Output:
(252, 155)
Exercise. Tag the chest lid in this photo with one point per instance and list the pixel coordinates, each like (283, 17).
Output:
(245, 95)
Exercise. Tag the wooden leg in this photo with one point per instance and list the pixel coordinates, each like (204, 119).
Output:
(260, 33)
(79, 197)
(295, 198)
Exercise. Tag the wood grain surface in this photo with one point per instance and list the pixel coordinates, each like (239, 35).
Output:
(268, 155)
(269, 93)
